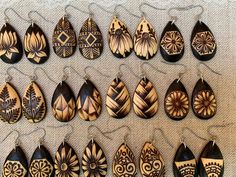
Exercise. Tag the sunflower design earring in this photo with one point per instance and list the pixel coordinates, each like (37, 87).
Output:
(94, 161)
(36, 45)
(66, 161)
(16, 162)
(204, 103)
(119, 38)
(145, 38)
(176, 103)
(11, 50)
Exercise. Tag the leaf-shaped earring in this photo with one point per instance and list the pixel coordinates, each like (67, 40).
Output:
(64, 37)
(125, 155)
(172, 42)
(41, 163)
(151, 162)
(145, 99)
(176, 103)
(36, 45)
(11, 49)
(10, 102)
(94, 161)
(66, 161)
(118, 98)
(203, 42)
(16, 162)
(204, 103)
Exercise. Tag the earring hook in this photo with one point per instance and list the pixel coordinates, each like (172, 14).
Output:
(164, 136)
(86, 77)
(91, 136)
(178, 64)
(143, 73)
(208, 67)
(143, 14)
(69, 5)
(120, 74)
(6, 18)
(65, 76)
(67, 136)
(41, 139)
(93, 3)
(17, 141)
(36, 77)
(119, 5)
(9, 77)
(36, 12)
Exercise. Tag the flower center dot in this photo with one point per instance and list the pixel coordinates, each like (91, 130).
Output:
(64, 166)
(145, 35)
(119, 32)
(93, 166)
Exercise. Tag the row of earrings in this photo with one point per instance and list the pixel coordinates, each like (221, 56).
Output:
(90, 40)
(94, 163)
(118, 101)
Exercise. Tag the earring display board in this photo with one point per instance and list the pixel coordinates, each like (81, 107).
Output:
(220, 18)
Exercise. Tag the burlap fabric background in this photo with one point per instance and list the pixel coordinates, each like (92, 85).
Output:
(220, 17)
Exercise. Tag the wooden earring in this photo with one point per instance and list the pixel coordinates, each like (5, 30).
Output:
(16, 162)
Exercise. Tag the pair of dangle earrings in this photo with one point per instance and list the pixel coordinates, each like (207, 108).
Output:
(145, 97)
(203, 100)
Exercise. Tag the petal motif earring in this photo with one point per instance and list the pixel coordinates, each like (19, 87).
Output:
(172, 42)
(16, 162)
(11, 50)
(64, 37)
(145, 38)
(36, 45)
(176, 103)
(119, 38)
(94, 161)
(66, 161)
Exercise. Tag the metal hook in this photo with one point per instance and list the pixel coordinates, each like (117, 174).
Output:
(69, 5)
(91, 136)
(119, 74)
(213, 136)
(164, 136)
(17, 142)
(41, 139)
(86, 77)
(6, 18)
(34, 11)
(67, 136)
(93, 3)
(9, 77)
(143, 73)
(178, 64)
(119, 5)
(36, 77)
(65, 76)
(208, 67)
(143, 14)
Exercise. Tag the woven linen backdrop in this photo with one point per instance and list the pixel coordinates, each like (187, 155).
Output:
(218, 15)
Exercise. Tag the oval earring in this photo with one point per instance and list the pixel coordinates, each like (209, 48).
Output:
(204, 103)
(11, 50)
(172, 42)
(94, 161)
(36, 45)
(176, 103)
(15, 163)
(10, 102)
(64, 37)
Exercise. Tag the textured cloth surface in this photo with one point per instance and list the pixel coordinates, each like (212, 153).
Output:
(221, 20)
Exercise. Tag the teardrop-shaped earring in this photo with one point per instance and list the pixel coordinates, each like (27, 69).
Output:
(125, 155)
(66, 161)
(10, 102)
(64, 39)
(172, 42)
(204, 103)
(119, 38)
(11, 49)
(36, 45)
(118, 98)
(176, 103)
(145, 99)
(151, 162)
(94, 161)
(211, 161)
(16, 162)
(185, 162)
(89, 100)
(203, 42)
(41, 163)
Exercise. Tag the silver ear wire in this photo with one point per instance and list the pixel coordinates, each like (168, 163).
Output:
(17, 141)
(6, 18)
(119, 5)
(200, 74)
(86, 77)
(65, 76)
(36, 12)
(143, 73)
(9, 77)
(69, 5)
(164, 136)
(93, 3)
(41, 139)
(36, 77)
(67, 136)
(92, 136)
(129, 68)
(143, 14)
